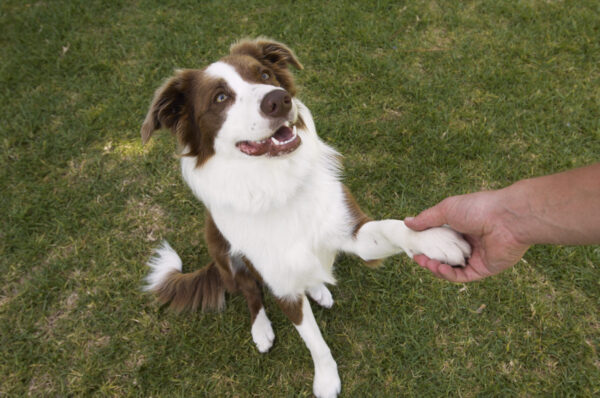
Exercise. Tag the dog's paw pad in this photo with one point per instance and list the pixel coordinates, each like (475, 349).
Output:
(262, 332)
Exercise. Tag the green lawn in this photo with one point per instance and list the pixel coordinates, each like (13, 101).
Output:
(425, 99)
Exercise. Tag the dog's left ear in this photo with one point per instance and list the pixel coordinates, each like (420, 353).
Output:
(268, 50)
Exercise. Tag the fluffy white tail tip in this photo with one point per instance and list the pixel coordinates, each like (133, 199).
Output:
(164, 261)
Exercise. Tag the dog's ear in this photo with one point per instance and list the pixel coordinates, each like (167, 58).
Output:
(268, 50)
(168, 106)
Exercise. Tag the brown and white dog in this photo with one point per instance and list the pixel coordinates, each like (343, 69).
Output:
(277, 212)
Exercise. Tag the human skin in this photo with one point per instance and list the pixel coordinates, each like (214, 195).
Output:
(501, 225)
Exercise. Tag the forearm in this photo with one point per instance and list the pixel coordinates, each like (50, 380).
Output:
(562, 208)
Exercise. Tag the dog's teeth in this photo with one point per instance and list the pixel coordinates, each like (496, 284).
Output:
(278, 143)
(275, 141)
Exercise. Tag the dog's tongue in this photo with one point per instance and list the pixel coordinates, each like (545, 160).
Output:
(254, 148)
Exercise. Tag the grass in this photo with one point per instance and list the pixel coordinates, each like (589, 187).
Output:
(425, 99)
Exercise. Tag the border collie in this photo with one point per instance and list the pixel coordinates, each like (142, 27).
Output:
(277, 211)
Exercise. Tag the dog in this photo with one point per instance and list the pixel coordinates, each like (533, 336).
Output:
(277, 212)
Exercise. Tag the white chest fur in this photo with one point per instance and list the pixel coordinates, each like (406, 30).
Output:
(292, 247)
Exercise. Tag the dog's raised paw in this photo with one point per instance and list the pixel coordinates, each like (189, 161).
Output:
(444, 245)
(262, 332)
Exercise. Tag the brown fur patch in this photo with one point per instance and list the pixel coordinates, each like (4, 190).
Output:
(200, 289)
(270, 54)
(185, 105)
(247, 281)
(300, 125)
(252, 291)
(252, 270)
(218, 248)
(359, 219)
(374, 263)
(291, 308)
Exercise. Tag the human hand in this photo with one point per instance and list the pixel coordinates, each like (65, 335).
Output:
(485, 223)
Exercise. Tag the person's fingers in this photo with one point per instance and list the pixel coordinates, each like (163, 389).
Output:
(434, 266)
(433, 217)
(455, 274)
(447, 272)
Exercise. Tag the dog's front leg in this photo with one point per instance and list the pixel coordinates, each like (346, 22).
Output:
(326, 383)
(380, 239)
(321, 295)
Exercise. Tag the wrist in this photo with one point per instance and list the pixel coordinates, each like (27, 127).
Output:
(516, 211)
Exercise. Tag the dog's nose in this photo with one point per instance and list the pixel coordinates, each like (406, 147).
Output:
(276, 103)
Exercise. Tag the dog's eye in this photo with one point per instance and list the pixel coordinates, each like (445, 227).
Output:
(221, 97)
(265, 76)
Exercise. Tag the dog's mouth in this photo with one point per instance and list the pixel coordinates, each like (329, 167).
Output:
(283, 141)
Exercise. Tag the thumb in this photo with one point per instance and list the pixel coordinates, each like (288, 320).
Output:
(432, 217)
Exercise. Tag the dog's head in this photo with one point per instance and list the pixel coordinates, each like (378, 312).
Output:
(242, 105)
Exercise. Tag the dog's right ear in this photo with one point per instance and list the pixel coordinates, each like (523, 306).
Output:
(168, 106)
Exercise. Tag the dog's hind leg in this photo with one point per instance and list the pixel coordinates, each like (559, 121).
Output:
(239, 275)
(262, 331)
(250, 286)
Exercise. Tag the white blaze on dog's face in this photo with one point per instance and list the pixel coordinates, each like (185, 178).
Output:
(241, 106)
(261, 117)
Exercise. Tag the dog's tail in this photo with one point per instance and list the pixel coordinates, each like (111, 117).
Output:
(200, 289)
